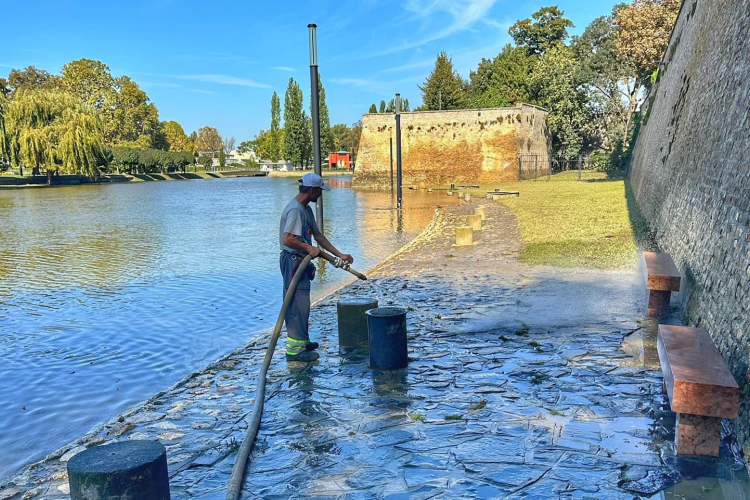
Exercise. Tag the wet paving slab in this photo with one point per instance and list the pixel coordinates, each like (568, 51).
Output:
(523, 383)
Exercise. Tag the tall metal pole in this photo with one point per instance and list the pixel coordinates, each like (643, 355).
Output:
(315, 105)
(391, 166)
(398, 150)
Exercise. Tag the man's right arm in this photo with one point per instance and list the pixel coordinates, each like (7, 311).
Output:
(289, 240)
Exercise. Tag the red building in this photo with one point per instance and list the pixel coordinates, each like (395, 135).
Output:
(342, 159)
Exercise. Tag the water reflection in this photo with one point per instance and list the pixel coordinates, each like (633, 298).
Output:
(109, 293)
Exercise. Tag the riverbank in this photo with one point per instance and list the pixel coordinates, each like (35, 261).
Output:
(518, 385)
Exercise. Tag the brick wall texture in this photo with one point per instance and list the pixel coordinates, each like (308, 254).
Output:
(441, 147)
(691, 175)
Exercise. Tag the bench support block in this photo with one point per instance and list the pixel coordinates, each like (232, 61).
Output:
(658, 303)
(697, 435)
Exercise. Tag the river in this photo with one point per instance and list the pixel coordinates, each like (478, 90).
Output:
(110, 293)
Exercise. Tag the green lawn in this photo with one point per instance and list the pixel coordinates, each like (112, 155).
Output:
(569, 223)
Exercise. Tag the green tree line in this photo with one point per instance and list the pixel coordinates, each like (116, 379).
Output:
(293, 141)
(590, 84)
(79, 121)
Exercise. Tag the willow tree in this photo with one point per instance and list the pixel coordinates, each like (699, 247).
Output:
(52, 130)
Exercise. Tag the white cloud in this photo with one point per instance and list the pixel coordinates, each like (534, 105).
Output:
(283, 68)
(201, 91)
(463, 14)
(223, 80)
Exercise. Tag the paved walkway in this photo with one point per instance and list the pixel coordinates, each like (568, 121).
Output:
(518, 386)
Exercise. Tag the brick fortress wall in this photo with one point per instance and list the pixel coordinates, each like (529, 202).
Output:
(461, 146)
(691, 175)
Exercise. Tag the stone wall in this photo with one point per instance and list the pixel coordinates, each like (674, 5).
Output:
(691, 175)
(440, 147)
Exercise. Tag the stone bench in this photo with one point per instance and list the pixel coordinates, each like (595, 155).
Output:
(663, 279)
(700, 387)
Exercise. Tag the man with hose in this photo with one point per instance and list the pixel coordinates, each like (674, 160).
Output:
(297, 228)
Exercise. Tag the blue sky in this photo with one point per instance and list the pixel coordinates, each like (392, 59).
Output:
(218, 63)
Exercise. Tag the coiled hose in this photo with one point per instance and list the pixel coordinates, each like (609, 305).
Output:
(238, 471)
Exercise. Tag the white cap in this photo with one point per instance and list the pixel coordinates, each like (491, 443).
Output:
(313, 180)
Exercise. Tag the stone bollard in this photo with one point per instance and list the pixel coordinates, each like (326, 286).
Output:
(464, 236)
(353, 321)
(450, 193)
(481, 210)
(475, 221)
(120, 471)
(429, 190)
(460, 196)
(386, 330)
(467, 197)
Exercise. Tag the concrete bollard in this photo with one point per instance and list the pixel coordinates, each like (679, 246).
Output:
(481, 210)
(467, 197)
(353, 321)
(120, 471)
(464, 236)
(460, 196)
(475, 221)
(386, 330)
(429, 190)
(450, 193)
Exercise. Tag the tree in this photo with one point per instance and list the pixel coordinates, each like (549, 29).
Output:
(274, 153)
(229, 145)
(643, 32)
(53, 130)
(209, 142)
(554, 86)
(90, 80)
(444, 88)
(355, 134)
(326, 139)
(222, 159)
(548, 29)
(294, 124)
(32, 79)
(341, 135)
(176, 137)
(307, 142)
(405, 105)
(502, 81)
(206, 161)
(373, 109)
(382, 107)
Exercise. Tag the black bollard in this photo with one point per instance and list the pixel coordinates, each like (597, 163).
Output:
(386, 329)
(353, 321)
(120, 471)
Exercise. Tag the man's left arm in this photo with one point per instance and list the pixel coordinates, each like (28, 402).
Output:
(327, 245)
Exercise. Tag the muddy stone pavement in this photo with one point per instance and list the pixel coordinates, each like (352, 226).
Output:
(518, 386)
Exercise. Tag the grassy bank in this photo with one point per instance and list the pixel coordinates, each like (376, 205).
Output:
(567, 223)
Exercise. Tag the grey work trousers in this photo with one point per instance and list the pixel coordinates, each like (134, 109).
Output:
(297, 317)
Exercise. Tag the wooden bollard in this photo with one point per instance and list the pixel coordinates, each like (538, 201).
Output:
(464, 236)
(120, 471)
(481, 210)
(475, 221)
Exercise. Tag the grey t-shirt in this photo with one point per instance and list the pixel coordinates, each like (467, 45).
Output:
(297, 219)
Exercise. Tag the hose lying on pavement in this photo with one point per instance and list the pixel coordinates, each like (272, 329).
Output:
(238, 471)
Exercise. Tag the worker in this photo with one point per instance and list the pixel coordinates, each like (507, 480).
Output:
(296, 230)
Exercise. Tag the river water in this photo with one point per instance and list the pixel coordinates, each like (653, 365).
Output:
(110, 293)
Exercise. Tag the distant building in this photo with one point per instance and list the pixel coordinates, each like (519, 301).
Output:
(341, 159)
(235, 157)
(276, 166)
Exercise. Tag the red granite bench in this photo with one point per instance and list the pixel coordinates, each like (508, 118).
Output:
(700, 387)
(663, 279)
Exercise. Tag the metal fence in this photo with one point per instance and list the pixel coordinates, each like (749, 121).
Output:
(531, 166)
